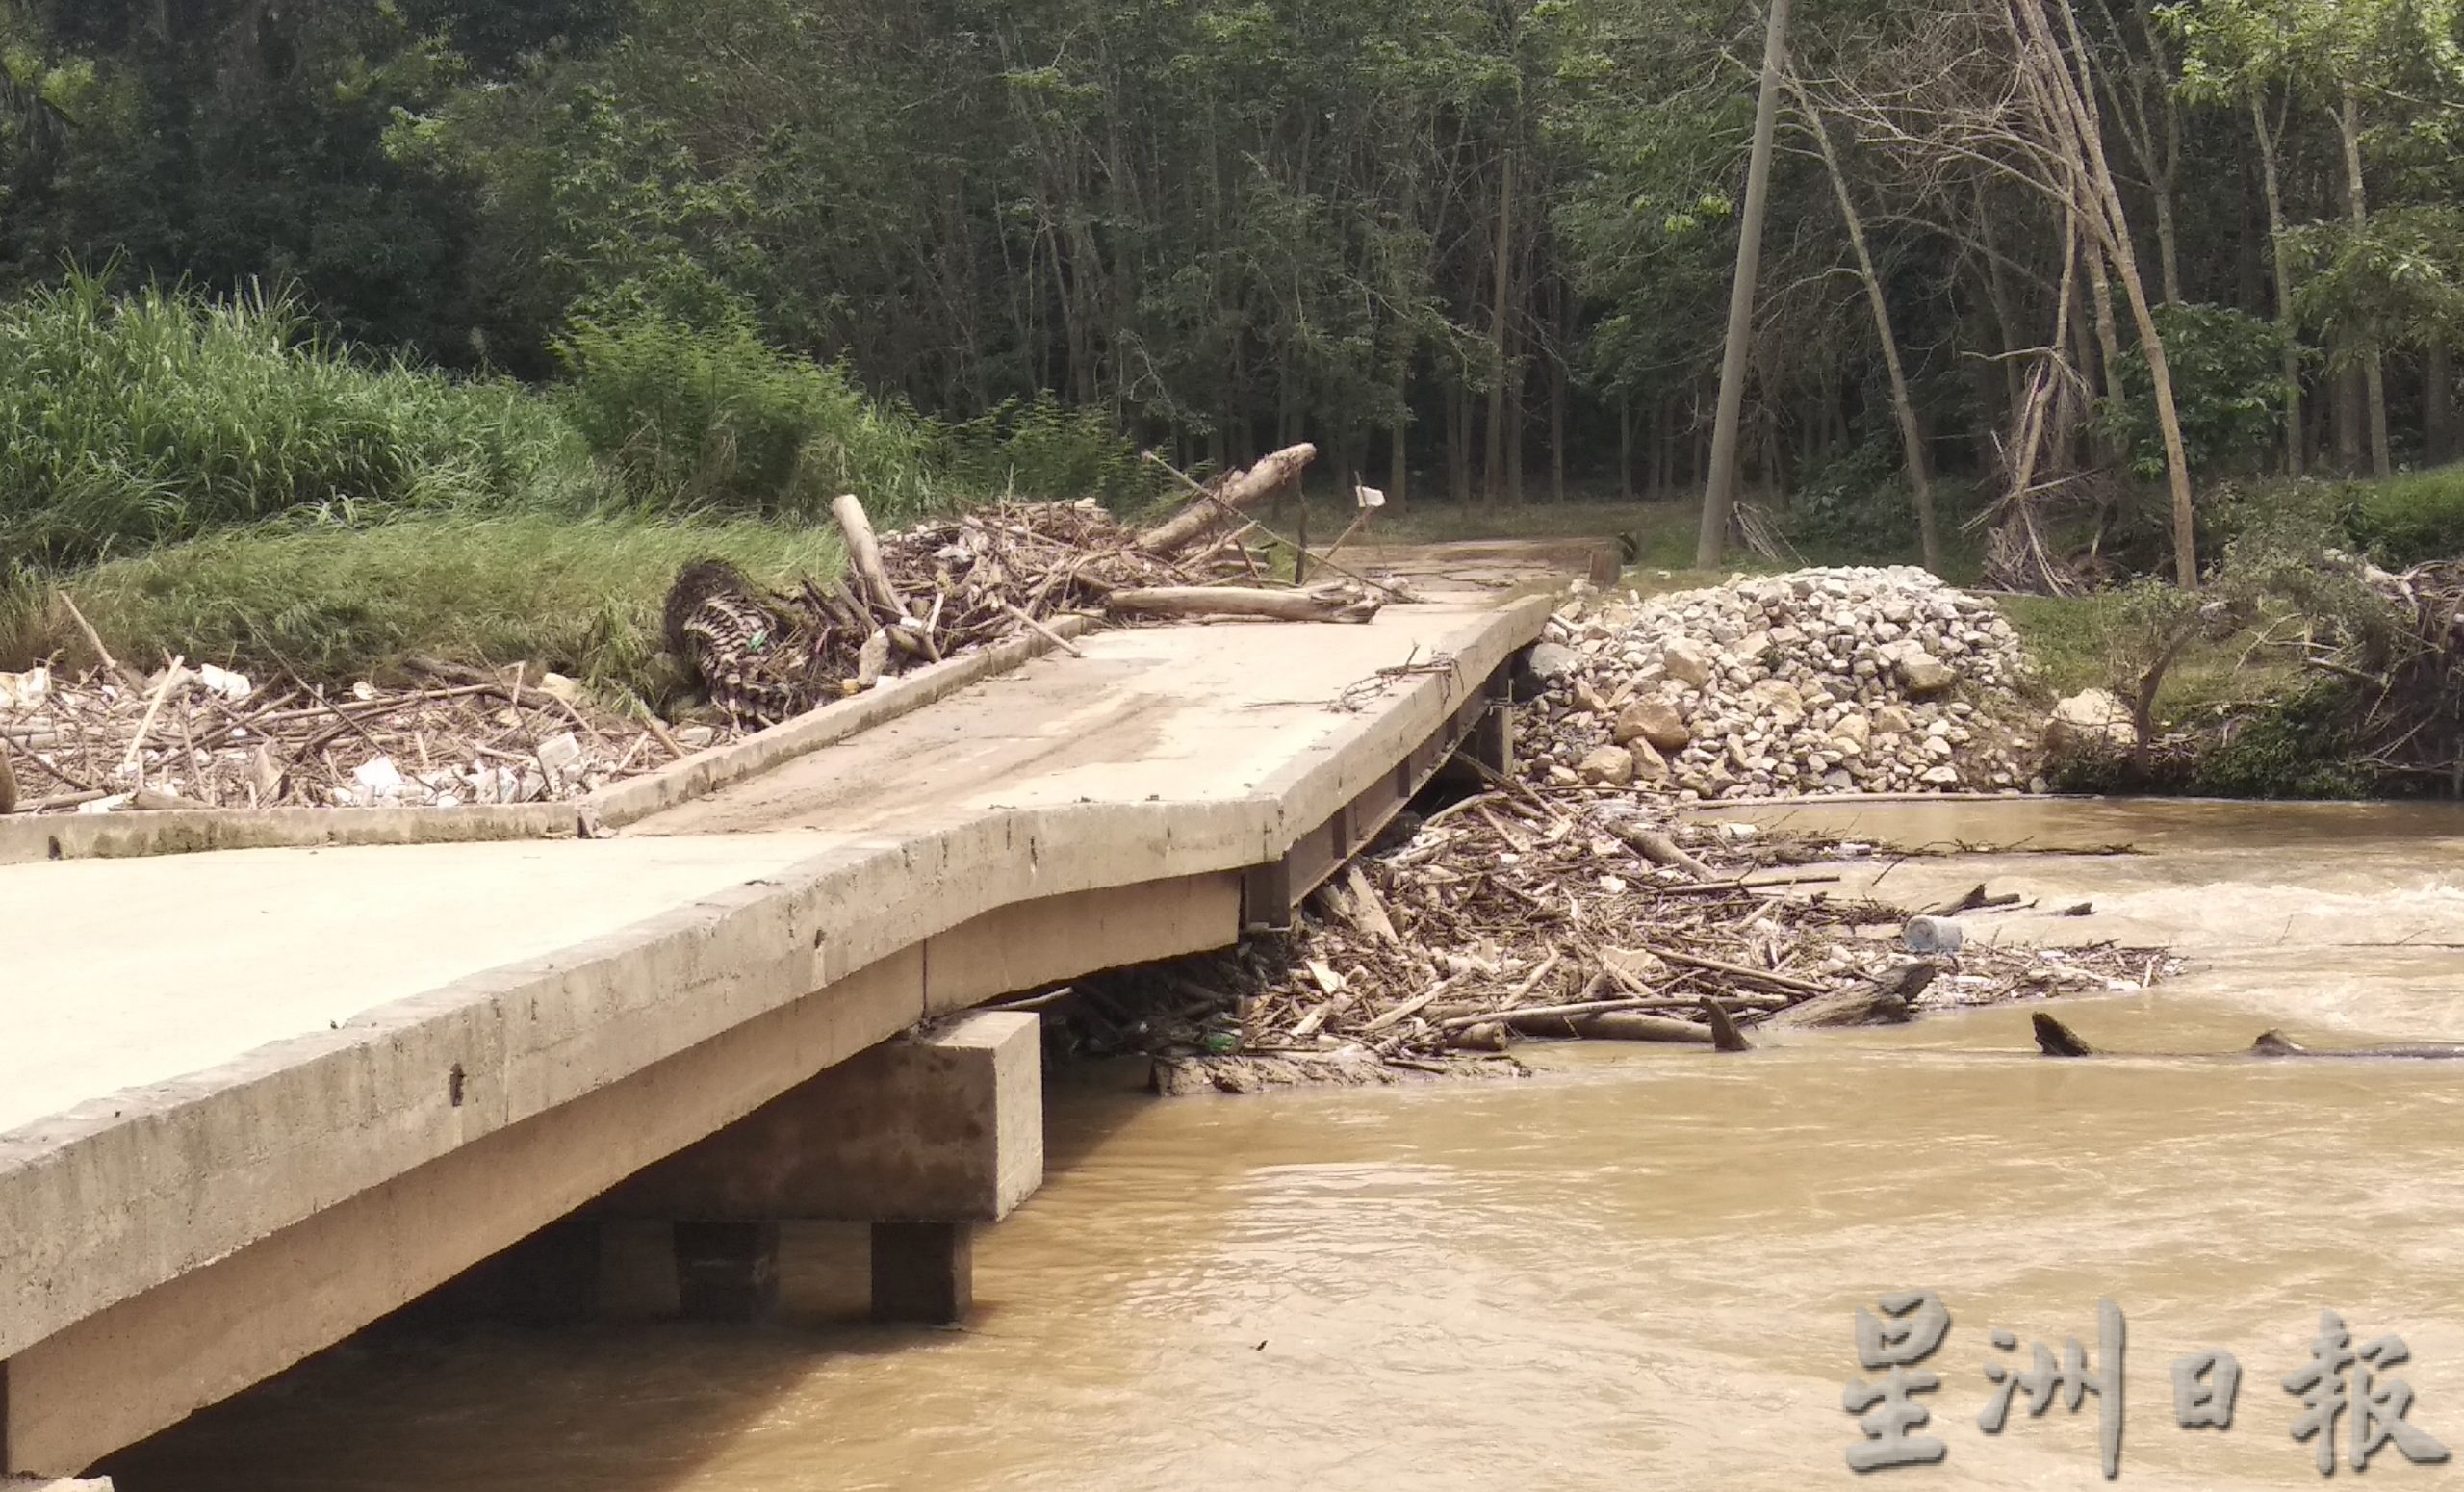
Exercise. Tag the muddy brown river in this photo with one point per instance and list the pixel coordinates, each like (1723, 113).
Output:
(1637, 1269)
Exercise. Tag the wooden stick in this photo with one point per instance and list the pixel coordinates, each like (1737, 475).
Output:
(1407, 1009)
(675, 748)
(93, 639)
(1041, 630)
(135, 759)
(864, 551)
(1236, 601)
(1540, 1013)
(1743, 971)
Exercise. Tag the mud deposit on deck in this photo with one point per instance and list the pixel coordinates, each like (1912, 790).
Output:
(1638, 1271)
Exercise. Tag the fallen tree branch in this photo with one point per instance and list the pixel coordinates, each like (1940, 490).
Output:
(1244, 490)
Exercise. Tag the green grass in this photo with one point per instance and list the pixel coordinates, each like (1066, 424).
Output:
(212, 478)
(2411, 517)
(129, 420)
(580, 596)
(2079, 642)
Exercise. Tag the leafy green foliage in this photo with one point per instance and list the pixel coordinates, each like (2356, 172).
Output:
(2229, 390)
(2412, 516)
(2299, 747)
(695, 421)
(125, 421)
(1047, 450)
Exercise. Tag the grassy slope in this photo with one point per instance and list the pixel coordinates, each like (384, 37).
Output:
(580, 594)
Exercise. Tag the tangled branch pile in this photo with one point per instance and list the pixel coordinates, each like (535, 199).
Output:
(1506, 916)
(952, 586)
(2410, 699)
(206, 737)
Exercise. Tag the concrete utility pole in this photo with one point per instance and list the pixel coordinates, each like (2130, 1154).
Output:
(1719, 495)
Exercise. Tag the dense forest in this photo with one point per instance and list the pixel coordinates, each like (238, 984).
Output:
(1478, 249)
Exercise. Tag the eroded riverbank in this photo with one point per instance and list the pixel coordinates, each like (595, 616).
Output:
(1639, 1269)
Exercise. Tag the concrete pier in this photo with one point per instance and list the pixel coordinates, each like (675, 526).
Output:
(923, 1137)
(252, 1100)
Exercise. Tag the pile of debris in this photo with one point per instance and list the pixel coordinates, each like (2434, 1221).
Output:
(1506, 915)
(208, 737)
(1820, 682)
(953, 586)
(204, 736)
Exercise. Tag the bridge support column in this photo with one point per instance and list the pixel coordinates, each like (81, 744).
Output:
(922, 1137)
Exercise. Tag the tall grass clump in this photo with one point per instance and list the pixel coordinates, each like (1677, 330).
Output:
(157, 414)
(714, 419)
(1044, 450)
(2409, 518)
(332, 602)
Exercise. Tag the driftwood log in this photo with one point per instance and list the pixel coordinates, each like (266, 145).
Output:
(1322, 604)
(865, 552)
(1887, 1001)
(1245, 490)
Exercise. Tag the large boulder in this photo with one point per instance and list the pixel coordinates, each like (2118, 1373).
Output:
(1607, 766)
(1653, 719)
(1777, 700)
(1921, 674)
(1553, 660)
(1687, 661)
(2091, 720)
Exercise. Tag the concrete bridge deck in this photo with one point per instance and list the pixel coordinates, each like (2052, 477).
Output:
(251, 1100)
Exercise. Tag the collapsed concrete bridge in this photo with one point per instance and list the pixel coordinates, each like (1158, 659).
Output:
(252, 1100)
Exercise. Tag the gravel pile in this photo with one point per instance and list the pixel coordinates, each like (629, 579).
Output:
(1829, 681)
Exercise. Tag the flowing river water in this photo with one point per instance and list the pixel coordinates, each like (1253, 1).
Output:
(1639, 1269)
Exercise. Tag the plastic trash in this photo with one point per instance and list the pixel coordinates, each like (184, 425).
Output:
(1934, 934)
(22, 691)
(224, 682)
(379, 780)
(559, 756)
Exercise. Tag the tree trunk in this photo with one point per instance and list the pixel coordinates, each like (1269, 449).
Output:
(2270, 179)
(2087, 144)
(1719, 490)
(1663, 448)
(1624, 446)
(1517, 423)
(2348, 412)
(1399, 439)
(1499, 302)
(1459, 442)
(2373, 373)
(1912, 439)
(2438, 403)
(1557, 396)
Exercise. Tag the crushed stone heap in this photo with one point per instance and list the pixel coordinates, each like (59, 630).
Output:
(1826, 680)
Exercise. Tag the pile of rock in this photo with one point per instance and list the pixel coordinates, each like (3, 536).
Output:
(1825, 680)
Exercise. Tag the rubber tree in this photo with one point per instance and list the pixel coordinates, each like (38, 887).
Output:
(1912, 437)
(1719, 493)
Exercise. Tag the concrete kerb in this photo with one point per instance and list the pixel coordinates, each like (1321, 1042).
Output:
(204, 1166)
(185, 831)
